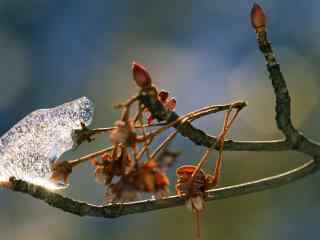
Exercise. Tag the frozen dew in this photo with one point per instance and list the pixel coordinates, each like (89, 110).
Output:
(29, 149)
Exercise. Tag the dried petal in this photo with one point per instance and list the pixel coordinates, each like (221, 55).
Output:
(161, 179)
(197, 203)
(149, 182)
(100, 175)
(171, 104)
(151, 164)
(106, 157)
(60, 173)
(150, 119)
(185, 169)
(94, 161)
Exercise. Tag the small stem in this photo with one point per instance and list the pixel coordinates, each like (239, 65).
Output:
(126, 108)
(203, 160)
(138, 115)
(220, 141)
(198, 114)
(226, 126)
(164, 144)
(108, 129)
(127, 103)
(144, 148)
(198, 224)
(114, 154)
(135, 152)
(76, 162)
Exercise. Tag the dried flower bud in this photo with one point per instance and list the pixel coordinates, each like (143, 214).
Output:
(150, 164)
(106, 157)
(171, 104)
(141, 75)
(190, 189)
(258, 18)
(61, 172)
(163, 95)
(148, 181)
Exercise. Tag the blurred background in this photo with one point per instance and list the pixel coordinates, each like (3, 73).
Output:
(204, 52)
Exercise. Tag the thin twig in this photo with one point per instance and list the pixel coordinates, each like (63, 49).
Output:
(87, 157)
(120, 209)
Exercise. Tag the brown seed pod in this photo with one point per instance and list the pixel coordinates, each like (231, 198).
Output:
(190, 187)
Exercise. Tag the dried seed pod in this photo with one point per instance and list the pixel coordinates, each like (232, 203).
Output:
(187, 187)
(192, 187)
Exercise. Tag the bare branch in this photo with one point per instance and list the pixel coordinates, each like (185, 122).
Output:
(120, 209)
(294, 140)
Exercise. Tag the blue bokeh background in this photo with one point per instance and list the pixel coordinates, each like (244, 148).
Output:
(204, 52)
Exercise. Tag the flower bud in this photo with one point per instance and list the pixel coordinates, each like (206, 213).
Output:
(163, 95)
(258, 18)
(141, 75)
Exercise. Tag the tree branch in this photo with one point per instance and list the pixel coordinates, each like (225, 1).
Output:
(121, 209)
(294, 140)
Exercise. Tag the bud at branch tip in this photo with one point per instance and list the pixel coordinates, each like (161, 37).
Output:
(258, 18)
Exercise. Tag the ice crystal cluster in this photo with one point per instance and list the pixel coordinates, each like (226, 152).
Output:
(29, 148)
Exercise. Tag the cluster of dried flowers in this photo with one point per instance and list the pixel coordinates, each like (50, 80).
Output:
(129, 168)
